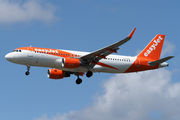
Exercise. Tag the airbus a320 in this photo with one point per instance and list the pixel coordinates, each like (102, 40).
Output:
(64, 63)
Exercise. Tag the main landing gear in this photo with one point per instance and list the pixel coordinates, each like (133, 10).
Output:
(89, 74)
(79, 80)
(27, 72)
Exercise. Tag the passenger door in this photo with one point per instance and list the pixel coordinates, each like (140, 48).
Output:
(30, 52)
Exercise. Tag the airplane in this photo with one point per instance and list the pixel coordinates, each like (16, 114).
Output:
(64, 63)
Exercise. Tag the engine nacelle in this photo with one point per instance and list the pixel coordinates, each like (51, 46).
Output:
(70, 63)
(55, 74)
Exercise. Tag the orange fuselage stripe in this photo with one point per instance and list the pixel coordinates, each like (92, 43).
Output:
(54, 52)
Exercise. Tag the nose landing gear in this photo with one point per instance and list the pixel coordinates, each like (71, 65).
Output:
(27, 72)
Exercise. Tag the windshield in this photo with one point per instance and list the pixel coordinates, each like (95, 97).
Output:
(17, 51)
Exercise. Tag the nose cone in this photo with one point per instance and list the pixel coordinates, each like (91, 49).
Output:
(9, 57)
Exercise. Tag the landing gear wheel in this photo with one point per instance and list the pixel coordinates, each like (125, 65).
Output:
(89, 74)
(79, 81)
(28, 68)
(27, 73)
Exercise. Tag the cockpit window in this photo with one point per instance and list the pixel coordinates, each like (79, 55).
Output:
(17, 51)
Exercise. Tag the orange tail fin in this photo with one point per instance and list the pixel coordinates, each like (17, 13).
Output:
(153, 49)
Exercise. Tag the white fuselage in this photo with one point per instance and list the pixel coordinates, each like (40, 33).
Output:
(113, 63)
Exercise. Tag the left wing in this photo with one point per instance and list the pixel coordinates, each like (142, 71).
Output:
(93, 58)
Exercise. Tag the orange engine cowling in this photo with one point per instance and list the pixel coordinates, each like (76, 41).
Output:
(70, 63)
(55, 74)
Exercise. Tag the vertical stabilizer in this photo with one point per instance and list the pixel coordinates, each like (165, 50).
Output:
(153, 49)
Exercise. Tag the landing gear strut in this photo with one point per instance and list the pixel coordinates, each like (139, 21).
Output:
(27, 72)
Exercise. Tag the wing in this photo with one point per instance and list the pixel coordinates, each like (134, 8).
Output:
(93, 58)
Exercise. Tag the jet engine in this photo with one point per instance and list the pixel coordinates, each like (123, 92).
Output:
(70, 63)
(57, 74)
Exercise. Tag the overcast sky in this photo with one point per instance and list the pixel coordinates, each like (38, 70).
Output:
(88, 25)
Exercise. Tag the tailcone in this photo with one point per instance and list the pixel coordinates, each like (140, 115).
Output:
(164, 64)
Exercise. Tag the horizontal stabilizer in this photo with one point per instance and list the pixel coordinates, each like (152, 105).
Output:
(160, 61)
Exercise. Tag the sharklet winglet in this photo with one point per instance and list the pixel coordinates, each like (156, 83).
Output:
(132, 33)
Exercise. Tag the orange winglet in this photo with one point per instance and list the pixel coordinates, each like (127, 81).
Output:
(101, 56)
(131, 34)
(112, 50)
